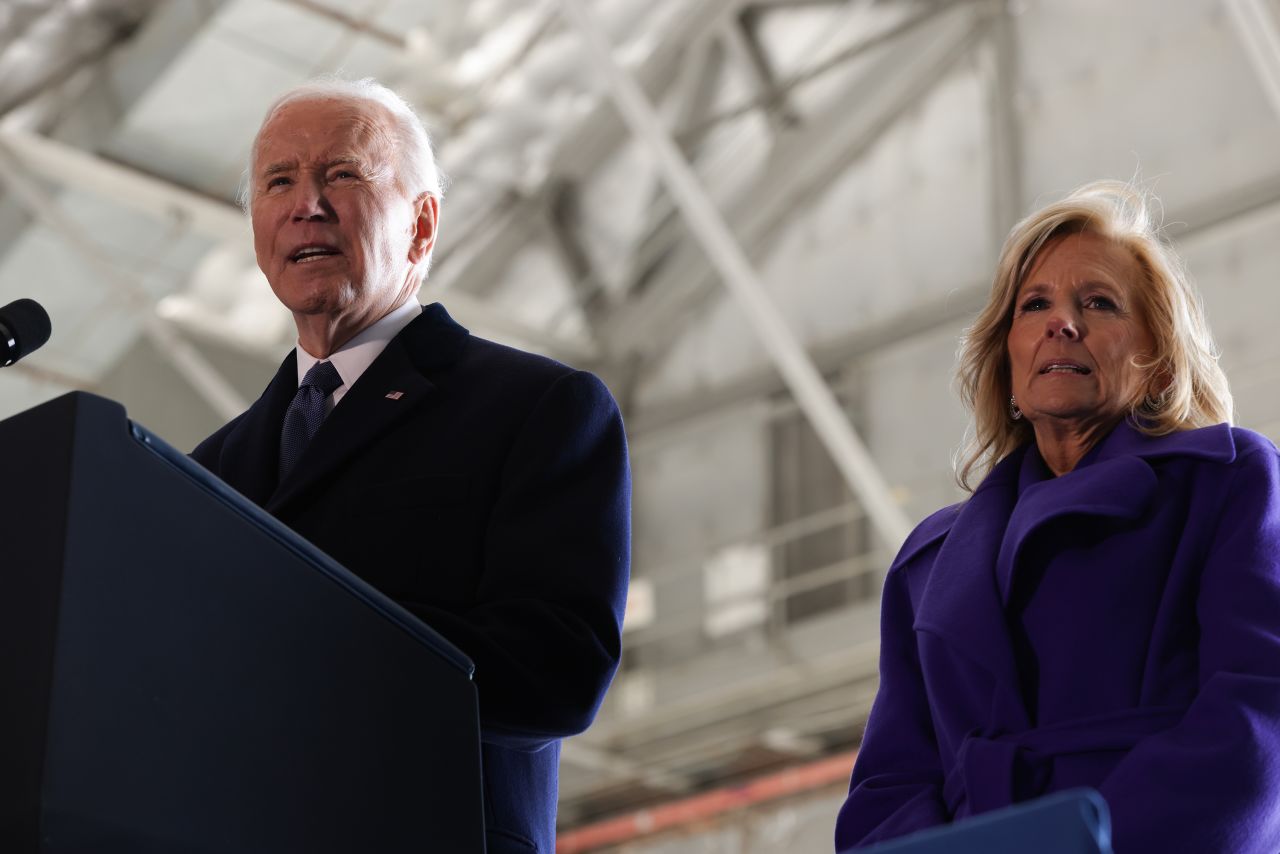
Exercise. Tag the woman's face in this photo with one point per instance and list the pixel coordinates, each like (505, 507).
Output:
(1077, 326)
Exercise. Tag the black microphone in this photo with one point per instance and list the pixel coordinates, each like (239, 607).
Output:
(24, 328)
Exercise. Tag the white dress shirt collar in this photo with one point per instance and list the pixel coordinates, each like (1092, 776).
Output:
(354, 357)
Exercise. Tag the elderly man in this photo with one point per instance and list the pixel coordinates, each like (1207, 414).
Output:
(484, 489)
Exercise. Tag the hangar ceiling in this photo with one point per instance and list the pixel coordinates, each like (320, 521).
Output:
(135, 119)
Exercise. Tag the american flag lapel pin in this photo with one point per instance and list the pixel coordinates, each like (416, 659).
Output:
(394, 395)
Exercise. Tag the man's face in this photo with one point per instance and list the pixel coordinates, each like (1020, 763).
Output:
(333, 232)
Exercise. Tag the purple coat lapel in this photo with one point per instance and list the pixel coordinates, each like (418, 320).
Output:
(1115, 480)
(1120, 488)
(964, 598)
(960, 603)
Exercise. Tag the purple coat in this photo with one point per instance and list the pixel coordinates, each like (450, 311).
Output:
(1116, 627)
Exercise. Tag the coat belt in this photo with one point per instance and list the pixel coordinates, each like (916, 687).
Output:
(994, 770)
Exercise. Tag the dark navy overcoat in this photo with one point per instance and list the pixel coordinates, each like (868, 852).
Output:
(487, 491)
(1115, 627)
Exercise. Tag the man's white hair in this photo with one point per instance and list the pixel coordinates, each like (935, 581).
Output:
(416, 171)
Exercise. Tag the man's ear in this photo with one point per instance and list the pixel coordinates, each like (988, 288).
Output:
(426, 218)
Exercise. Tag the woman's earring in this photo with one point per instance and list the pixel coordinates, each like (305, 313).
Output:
(1014, 412)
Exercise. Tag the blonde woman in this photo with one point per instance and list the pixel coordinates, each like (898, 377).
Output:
(1104, 609)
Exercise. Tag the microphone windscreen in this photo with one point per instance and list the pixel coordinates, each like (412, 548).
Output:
(28, 324)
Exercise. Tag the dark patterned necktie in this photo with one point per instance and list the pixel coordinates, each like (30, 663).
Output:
(302, 418)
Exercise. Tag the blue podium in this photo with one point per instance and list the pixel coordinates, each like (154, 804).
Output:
(1071, 822)
(180, 673)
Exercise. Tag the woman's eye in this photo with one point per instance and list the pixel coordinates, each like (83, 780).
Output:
(1103, 303)
(1035, 304)
(343, 173)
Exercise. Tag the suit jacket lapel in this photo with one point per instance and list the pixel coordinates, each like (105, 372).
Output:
(251, 453)
(388, 392)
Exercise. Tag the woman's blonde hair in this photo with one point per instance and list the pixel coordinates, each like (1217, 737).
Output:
(1185, 387)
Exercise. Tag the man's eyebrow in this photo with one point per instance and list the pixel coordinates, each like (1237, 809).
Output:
(290, 165)
(362, 164)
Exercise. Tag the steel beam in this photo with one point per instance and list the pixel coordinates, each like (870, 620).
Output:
(474, 311)
(222, 221)
(477, 258)
(684, 737)
(649, 425)
(1255, 24)
(739, 38)
(799, 169)
(73, 167)
(701, 73)
(731, 263)
(746, 701)
(70, 28)
(130, 70)
(1202, 218)
(194, 368)
(357, 25)
(562, 226)
(578, 752)
(473, 265)
(764, 5)
(1005, 134)
(664, 230)
(920, 14)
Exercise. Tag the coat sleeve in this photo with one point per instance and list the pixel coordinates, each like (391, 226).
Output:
(1212, 782)
(545, 634)
(897, 779)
